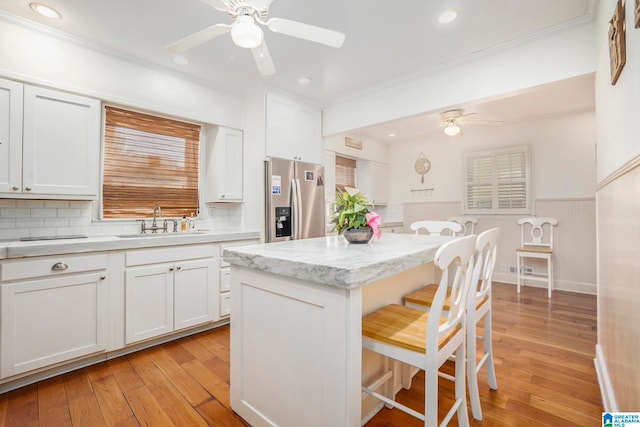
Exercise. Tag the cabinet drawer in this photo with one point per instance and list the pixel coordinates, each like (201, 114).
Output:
(51, 266)
(225, 279)
(169, 254)
(225, 304)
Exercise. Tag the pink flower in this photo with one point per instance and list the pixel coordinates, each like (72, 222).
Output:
(374, 221)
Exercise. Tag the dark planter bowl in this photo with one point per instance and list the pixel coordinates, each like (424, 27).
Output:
(358, 235)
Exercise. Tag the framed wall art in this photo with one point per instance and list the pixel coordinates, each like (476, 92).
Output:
(617, 43)
(637, 9)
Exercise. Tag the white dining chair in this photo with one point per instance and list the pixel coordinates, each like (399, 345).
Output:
(479, 308)
(437, 227)
(536, 244)
(468, 224)
(426, 340)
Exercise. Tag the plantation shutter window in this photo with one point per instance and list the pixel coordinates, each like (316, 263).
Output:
(345, 173)
(149, 160)
(498, 181)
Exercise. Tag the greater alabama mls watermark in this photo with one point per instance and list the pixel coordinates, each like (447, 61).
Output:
(621, 419)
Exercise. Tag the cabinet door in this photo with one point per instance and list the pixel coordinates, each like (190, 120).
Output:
(10, 136)
(281, 138)
(195, 293)
(48, 321)
(379, 179)
(61, 143)
(309, 142)
(224, 167)
(372, 180)
(148, 302)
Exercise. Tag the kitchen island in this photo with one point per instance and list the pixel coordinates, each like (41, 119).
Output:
(296, 308)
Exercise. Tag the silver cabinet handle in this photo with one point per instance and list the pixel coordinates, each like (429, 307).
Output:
(103, 277)
(179, 268)
(15, 188)
(170, 268)
(28, 188)
(59, 266)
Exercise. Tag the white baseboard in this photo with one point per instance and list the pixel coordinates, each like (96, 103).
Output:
(560, 285)
(606, 390)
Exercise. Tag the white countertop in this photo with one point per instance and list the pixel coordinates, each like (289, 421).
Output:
(332, 261)
(19, 249)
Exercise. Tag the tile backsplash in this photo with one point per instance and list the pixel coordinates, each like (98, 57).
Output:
(31, 218)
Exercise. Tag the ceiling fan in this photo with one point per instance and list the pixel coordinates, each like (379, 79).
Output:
(450, 120)
(245, 33)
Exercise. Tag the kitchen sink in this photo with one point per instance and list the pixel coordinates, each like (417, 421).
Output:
(140, 235)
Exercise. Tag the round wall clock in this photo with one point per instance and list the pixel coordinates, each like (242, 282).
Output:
(422, 166)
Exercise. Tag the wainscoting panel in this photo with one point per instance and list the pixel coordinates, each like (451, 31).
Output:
(574, 238)
(618, 358)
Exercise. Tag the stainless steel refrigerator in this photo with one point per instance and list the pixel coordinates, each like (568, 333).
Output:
(294, 200)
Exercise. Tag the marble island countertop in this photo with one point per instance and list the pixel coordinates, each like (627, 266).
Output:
(332, 261)
(19, 249)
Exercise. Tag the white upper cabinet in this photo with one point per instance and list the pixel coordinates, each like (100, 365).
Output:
(224, 165)
(59, 152)
(371, 179)
(10, 136)
(294, 130)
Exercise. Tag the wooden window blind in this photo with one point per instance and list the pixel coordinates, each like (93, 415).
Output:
(345, 173)
(149, 160)
(498, 181)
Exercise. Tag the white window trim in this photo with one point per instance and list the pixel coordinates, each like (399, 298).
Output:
(495, 210)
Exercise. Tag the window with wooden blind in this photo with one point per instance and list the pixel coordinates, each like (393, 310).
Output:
(149, 161)
(498, 181)
(345, 173)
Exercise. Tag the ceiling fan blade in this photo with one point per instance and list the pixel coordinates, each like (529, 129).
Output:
(200, 37)
(263, 60)
(306, 32)
(494, 123)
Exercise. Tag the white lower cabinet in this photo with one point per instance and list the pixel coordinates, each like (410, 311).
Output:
(52, 309)
(169, 289)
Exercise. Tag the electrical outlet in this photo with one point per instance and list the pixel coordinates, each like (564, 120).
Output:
(503, 267)
(512, 269)
(528, 271)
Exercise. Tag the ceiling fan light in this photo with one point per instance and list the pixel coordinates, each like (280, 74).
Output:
(447, 16)
(245, 33)
(44, 10)
(452, 129)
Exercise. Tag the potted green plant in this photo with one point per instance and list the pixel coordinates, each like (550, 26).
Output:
(352, 218)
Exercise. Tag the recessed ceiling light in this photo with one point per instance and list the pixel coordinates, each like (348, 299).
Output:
(391, 135)
(181, 60)
(45, 10)
(304, 80)
(447, 16)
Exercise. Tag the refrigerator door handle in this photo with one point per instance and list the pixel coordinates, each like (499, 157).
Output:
(296, 208)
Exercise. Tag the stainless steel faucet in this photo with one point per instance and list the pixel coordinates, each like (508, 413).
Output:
(157, 213)
(156, 209)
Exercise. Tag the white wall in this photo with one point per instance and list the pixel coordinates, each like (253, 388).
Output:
(618, 209)
(39, 55)
(550, 57)
(563, 151)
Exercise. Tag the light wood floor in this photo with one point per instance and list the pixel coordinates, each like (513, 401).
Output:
(544, 353)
